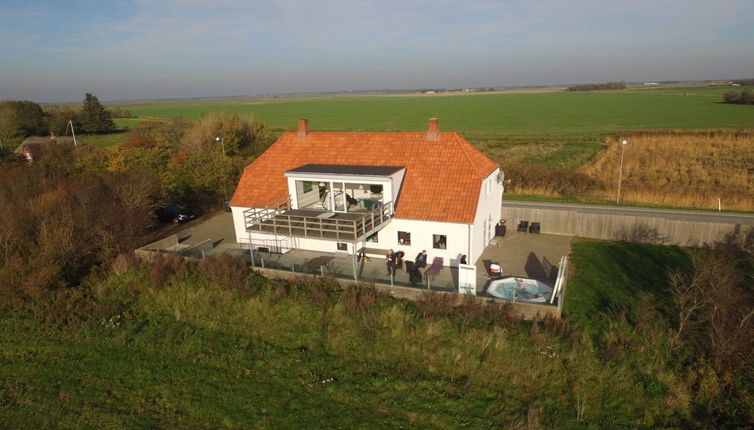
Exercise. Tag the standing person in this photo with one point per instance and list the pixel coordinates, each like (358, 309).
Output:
(398, 259)
(390, 262)
(421, 260)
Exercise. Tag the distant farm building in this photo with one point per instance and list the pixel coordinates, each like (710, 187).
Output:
(35, 147)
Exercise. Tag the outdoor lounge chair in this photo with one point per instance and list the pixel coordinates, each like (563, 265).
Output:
(523, 226)
(435, 267)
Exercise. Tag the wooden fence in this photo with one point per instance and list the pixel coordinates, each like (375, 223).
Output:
(634, 228)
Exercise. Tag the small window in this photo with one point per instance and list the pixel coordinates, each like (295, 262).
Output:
(306, 186)
(439, 241)
(342, 246)
(373, 238)
(404, 238)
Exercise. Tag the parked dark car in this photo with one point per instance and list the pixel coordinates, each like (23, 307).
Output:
(174, 213)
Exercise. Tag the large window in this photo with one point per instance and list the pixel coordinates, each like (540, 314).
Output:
(439, 241)
(404, 238)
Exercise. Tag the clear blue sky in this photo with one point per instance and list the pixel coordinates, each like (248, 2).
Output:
(135, 49)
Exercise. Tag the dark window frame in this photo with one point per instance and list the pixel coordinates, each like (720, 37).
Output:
(439, 241)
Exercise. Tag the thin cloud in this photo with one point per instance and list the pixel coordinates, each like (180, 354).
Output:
(186, 46)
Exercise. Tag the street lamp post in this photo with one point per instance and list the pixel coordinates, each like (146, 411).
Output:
(623, 144)
(222, 143)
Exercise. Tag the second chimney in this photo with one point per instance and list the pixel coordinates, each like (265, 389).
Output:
(433, 130)
(303, 128)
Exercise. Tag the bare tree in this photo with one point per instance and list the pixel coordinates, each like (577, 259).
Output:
(714, 312)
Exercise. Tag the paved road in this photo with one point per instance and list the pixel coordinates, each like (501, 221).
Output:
(673, 214)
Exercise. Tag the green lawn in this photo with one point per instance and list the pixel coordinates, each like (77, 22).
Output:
(508, 114)
(162, 373)
(104, 140)
(609, 276)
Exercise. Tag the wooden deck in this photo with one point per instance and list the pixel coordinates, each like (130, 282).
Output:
(320, 224)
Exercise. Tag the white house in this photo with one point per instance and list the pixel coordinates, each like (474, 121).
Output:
(370, 191)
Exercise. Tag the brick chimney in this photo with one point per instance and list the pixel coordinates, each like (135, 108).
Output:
(303, 128)
(433, 130)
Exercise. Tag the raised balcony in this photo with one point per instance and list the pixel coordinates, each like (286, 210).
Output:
(277, 218)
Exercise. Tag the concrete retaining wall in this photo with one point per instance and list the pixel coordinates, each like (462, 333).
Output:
(635, 228)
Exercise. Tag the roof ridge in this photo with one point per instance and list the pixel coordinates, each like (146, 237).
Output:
(464, 143)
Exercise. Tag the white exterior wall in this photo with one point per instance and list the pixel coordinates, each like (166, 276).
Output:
(396, 181)
(488, 213)
(239, 224)
(457, 235)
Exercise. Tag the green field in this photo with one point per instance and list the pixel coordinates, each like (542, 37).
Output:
(556, 113)
(556, 129)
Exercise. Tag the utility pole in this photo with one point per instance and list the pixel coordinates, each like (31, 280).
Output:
(222, 143)
(620, 172)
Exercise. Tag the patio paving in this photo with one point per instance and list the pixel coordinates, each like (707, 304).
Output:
(529, 255)
(520, 254)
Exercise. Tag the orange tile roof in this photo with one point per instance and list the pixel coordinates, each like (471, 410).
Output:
(442, 180)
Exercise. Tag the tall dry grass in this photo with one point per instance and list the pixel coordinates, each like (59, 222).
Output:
(679, 168)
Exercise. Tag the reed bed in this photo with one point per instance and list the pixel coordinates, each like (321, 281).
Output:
(698, 169)
(679, 168)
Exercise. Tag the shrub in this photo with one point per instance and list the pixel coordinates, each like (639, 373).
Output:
(594, 87)
(227, 271)
(746, 97)
(124, 262)
(358, 299)
(476, 313)
(435, 305)
(731, 97)
(162, 267)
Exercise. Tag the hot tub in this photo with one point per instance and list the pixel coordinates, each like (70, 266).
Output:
(520, 290)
